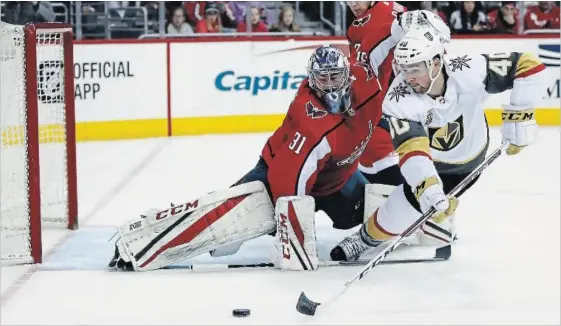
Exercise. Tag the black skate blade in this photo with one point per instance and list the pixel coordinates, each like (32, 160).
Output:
(306, 306)
(440, 254)
(443, 253)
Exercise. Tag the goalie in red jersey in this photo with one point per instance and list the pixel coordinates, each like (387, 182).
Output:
(310, 163)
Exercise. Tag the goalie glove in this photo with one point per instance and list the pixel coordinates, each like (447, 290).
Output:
(295, 240)
(429, 193)
(519, 128)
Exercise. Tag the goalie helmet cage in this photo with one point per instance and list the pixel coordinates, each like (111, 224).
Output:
(38, 183)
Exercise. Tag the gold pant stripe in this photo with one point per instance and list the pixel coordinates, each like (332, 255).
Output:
(375, 231)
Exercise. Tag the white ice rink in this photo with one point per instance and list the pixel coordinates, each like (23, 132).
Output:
(505, 269)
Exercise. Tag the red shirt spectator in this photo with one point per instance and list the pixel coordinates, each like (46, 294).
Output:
(504, 19)
(195, 11)
(543, 16)
(211, 23)
(256, 24)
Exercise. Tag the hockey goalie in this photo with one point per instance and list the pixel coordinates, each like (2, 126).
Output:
(310, 163)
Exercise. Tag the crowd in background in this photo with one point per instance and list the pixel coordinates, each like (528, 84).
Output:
(503, 17)
(214, 17)
(195, 17)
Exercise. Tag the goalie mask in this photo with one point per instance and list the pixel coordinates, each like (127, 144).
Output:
(329, 75)
(415, 56)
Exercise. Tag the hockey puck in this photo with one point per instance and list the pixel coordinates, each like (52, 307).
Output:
(241, 312)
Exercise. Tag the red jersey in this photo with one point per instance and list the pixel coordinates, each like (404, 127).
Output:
(314, 152)
(497, 23)
(535, 18)
(370, 41)
(260, 27)
(370, 38)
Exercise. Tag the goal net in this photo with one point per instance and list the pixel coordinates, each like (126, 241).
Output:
(37, 137)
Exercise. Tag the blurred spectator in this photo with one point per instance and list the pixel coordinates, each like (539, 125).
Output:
(26, 12)
(211, 22)
(226, 15)
(23, 12)
(468, 18)
(195, 11)
(267, 16)
(178, 24)
(257, 26)
(151, 9)
(286, 21)
(543, 16)
(504, 19)
(428, 5)
(238, 9)
(44, 12)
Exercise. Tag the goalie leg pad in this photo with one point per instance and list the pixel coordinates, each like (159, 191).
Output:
(295, 242)
(229, 217)
(437, 234)
(375, 195)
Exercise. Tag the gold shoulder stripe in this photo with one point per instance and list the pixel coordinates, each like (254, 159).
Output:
(414, 144)
(526, 63)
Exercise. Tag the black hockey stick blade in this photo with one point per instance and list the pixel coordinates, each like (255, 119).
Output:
(306, 306)
(443, 253)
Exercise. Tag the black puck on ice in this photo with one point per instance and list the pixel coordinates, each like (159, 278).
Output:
(241, 312)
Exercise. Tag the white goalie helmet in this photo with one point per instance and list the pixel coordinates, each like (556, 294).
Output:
(416, 51)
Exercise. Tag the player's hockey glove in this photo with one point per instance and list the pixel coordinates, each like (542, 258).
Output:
(429, 193)
(519, 128)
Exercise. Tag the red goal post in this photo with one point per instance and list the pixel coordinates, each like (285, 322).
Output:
(38, 182)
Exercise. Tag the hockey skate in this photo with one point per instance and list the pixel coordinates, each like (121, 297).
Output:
(353, 246)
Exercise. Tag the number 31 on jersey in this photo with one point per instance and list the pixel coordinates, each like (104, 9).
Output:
(297, 143)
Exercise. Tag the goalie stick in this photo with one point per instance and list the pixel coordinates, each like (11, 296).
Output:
(441, 254)
(308, 307)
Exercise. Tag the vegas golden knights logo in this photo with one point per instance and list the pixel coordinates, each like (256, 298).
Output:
(447, 137)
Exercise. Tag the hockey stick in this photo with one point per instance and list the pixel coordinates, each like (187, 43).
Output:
(441, 254)
(308, 307)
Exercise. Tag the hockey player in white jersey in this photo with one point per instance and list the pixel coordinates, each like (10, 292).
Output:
(434, 112)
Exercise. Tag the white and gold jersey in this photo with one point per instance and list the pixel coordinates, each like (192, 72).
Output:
(451, 130)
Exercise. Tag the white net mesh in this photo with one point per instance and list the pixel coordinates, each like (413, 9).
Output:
(15, 225)
(14, 211)
(52, 128)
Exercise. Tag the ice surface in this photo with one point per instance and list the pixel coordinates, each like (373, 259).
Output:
(503, 270)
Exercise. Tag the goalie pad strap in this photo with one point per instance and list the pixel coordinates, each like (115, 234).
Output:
(375, 195)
